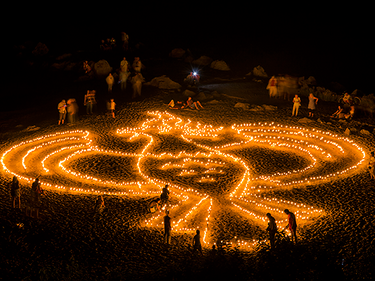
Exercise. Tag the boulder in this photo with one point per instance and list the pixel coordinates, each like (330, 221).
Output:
(256, 108)
(58, 66)
(364, 132)
(213, 102)
(189, 59)
(102, 68)
(203, 60)
(70, 66)
(269, 107)
(220, 65)
(244, 106)
(163, 82)
(40, 49)
(216, 95)
(202, 96)
(177, 53)
(31, 128)
(347, 132)
(64, 56)
(188, 93)
(258, 71)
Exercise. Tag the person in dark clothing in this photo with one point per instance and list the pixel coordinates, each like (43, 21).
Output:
(197, 246)
(272, 229)
(15, 191)
(292, 224)
(164, 194)
(167, 228)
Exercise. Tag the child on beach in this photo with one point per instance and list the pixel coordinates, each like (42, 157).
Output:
(112, 106)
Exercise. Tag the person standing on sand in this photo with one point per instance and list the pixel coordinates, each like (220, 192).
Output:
(272, 87)
(164, 197)
(62, 111)
(292, 224)
(15, 191)
(272, 229)
(112, 107)
(72, 111)
(110, 81)
(123, 76)
(89, 101)
(124, 65)
(312, 102)
(36, 191)
(296, 105)
(197, 246)
(167, 228)
(137, 81)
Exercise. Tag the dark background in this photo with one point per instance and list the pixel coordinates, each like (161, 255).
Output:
(330, 43)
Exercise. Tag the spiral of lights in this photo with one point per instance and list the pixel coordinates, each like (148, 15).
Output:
(199, 156)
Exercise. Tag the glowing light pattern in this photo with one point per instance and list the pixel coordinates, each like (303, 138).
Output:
(199, 157)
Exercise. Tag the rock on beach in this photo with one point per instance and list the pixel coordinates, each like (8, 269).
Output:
(163, 82)
(220, 65)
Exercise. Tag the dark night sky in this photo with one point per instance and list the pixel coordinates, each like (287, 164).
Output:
(336, 42)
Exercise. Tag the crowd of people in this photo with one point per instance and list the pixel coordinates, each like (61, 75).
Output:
(284, 87)
(189, 104)
(127, 73)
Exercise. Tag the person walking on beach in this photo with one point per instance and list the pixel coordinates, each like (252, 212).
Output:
(312, 102)
(137, 81)
(167, 228)
(62, 111)
(72, 109)
(292, 224)
(371, 165)
(197, 246)
(110, 81)
(296, 105)
(272, 229)
(36, 191)
(15, 191)
(272, 87)
(123, 76)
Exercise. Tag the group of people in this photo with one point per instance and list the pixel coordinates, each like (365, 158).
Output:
(274, 91)
(36, 191)
(110, 43)
(188, 104)
(272, 227)
(125, 74)
(70, 109)
(155, 205)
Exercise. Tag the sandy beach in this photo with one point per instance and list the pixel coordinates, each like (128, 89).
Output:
(69, 241)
